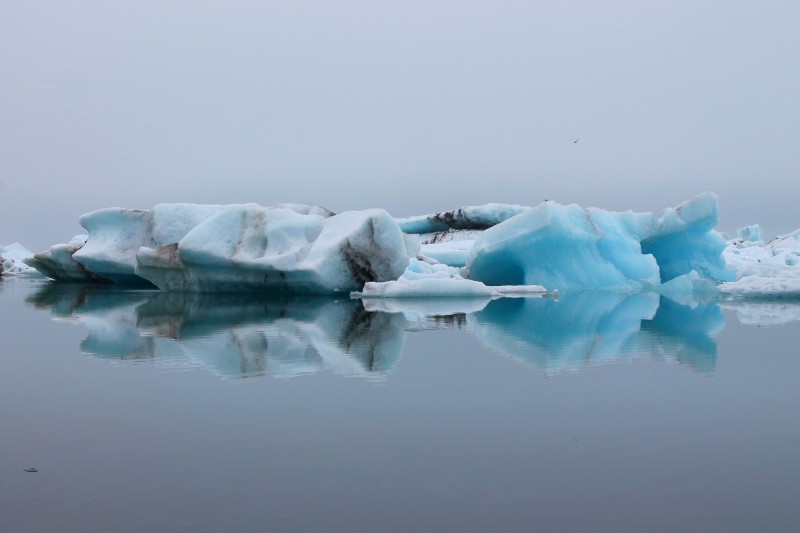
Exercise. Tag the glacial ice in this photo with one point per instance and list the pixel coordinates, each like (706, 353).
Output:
(13, 261)
(763, 270)
(425, 280)
(248, 247)
(116, 234)
(571, 248)
(57, 262)
(479, 251)
(478, 217)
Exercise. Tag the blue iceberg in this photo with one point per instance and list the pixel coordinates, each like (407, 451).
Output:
(572, 248)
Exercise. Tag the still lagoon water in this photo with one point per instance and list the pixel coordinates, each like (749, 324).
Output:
(149, 411)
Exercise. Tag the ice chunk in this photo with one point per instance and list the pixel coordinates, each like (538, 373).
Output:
(765, 270)
(570, 248)
(249, 247)
(425, 280)
(116, 234)
(57, 262)
(452, 253)
(751, 233)
(466, 218)
(13, 261)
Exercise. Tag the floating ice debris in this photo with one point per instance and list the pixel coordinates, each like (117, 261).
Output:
(425, 280)
(13, 261)
(764, 270)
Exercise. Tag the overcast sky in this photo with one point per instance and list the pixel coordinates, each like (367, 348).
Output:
(410, 106)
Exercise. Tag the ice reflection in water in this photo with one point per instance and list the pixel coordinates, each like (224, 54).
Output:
(238, 336)
(595, 328)
(231, 336)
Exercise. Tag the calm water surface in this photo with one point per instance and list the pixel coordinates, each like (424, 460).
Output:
(147, 411)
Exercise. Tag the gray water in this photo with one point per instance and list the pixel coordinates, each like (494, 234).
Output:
(146, 411)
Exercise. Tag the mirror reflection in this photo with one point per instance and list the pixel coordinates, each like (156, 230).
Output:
(235, 336)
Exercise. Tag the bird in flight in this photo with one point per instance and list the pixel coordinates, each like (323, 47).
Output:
(576, 140)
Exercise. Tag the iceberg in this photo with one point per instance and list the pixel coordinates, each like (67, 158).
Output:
(447, 236)
(234, 248)
(488, 251)
(425, 280)
(478, 217)
(57, 262)
(571, 248)
(763, 270)
(13, 261)
(116, 234)
(248, 247)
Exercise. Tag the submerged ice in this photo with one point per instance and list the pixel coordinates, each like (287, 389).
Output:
(479, 251)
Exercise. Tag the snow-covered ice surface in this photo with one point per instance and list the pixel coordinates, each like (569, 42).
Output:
(425, 280)
(763, 270)
(13, 261)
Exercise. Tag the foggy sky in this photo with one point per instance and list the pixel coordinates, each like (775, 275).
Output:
(409, 106)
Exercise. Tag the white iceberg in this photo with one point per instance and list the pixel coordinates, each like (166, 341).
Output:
(212, 248)
(425, 280)
(58, 263)
(116, 234)
(249, 247)
(13, 259)
(764, 270)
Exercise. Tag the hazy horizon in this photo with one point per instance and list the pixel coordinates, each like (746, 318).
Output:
(410, 106)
